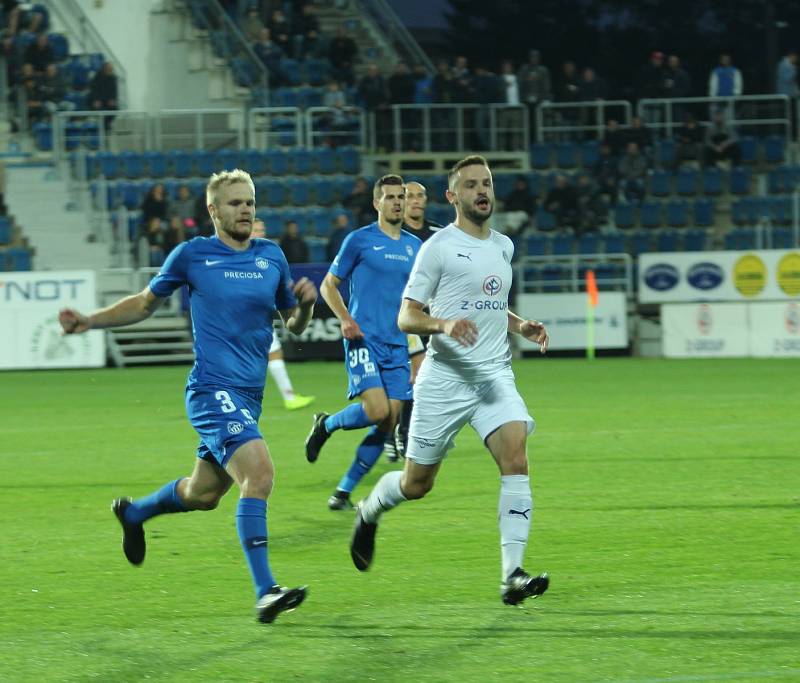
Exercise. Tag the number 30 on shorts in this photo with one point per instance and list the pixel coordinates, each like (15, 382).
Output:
(228, 406)
(361, 356)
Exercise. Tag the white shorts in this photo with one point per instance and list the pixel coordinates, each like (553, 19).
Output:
(442, 407)
(276, 344)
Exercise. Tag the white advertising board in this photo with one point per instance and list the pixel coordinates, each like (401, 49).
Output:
(30, 336)
(704, 330)
(565, 317)
(770, 275)
(775, 329)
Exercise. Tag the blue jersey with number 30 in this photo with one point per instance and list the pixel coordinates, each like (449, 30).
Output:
(234, 296)
(377, 268)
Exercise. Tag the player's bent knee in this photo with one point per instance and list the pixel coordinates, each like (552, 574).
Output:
(257, 485)
(377, 413)
(414, 490)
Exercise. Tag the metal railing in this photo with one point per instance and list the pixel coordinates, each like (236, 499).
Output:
(559, 121)
(275, 127)
(385, 19)
(449, 128)
(199, 129)
(332, 126)
(757, 114)
(83, 33)
(576, 264)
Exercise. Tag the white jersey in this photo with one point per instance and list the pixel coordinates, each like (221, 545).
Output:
(459, 276)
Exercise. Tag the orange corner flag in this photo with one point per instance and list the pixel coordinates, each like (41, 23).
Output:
(591, 287)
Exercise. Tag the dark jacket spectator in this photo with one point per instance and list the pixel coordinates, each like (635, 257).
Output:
(342, 52)
(341, 229)
(463, 88)
(401, 85)
(614, 138)
(633, 172)
(359, 201)
(568, 89)
(677, 82)
(372, 89)
(252, 25)
(721, 141)
(53, 87)
(103, 89)
(640, 134)
(562, 202)
(39, 54)
(155, 204)
(281, 31)
(520, 197)
(651, 77)
(443, 84)
(534, 80)
(270, 54)
(591, 86)
(591, 210)
(689, 141)
(294, 247)
(606, 172)
(202, 220)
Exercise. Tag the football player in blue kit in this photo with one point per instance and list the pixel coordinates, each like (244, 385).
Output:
(376, 261)
(236, 285)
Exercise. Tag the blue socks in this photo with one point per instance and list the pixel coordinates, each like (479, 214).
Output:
(367, 455)
(163, 501)
(351, 417)
(251, 523)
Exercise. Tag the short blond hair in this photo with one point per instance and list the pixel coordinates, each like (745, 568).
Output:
(225, 178)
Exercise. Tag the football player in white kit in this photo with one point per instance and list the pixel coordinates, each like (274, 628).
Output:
(463, 273)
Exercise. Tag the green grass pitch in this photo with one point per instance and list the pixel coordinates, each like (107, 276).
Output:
(666, 511)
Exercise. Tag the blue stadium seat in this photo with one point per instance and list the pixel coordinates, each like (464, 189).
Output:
(535, 182)
(181, 163)
(43, 135)
(291, 71)
(311, 97)
(741, 211)
(624, 216)
(324, 160)
(320, 221)
(277, 163)
(272, 193)
(437, 187)
(677, 213)
(650, 214)
(686, 182)
(131, 194)
(590, 153)
(5, 230)
(220, 44)
(19, 258)
(614, 243)
(108, 165)
(545, 220)
(228, 159)
(284, 97)
(740, 180)
(316, 71)
(660, 183)
(254, 161)
(740, 239)
(244, 72)
(780, 210)
(59, 45)
(749, 148)
(589, 243)
(775, 149)
(503, 184)
(536, 245)
(566, 155)
(778, 180)
(695, 240)
(156, 163)
(204, 163)
(349, 160)
(132, 164)
(77, 99)
(641, 242)
(712, 181)
(299, 191)
(300, 161)
(324, 190)
(540, 155)
(563, 245)
(703, 213)
(667, 240)
(781, 238)
(665, 152)
(441, 213)
(317, 251)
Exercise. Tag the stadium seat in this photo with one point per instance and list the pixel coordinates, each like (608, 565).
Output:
(665, 152)
(132, 164)
(540, 155)
(641, 242)
(712, 181)
(703, 213)
(277, 163)
(19, 258)
(349, 160)
(650, 214)
(740, 180)
(441, 213)
(320, 221)
(503, 184)
(316, 71)
(563, 245)
(156, 164)
(317, 250)
(59, 44)
(589, 243)
(781, 238)
(324, 160)
(667, 240)
(299, 191)
(686, 182)
(108, 165)
(531, 278)
(254, 161)
(614, 243)
(324, 190)
(300, 161)
(677, 213)
(660, 183)
(544, 219)
(272, 193)
(181, 163)
(536, 245)
(740, 239)
(780, 210)
(553, 278)
(590, 153)
(566, 155)
(775, 149)
(204, 163)
(5, 230)
(535, 182)
(695, 240)
(749, 148)
(228, 159)
(43, 135)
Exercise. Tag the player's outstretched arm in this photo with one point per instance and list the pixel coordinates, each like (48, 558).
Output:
(330, 293)
(412, 319)
(296, 319)
(127, 311)
(532, 330)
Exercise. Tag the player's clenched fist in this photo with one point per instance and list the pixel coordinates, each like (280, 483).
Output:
(535, 331)
(305, 291)
(465, 332)
(72, 322)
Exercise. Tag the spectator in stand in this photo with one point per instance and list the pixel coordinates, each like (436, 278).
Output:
(39, 54)
(33, 98)
(725, 80)
(53, 90)
(651, 85)
(159, 233)
(252, 25)
(401, 85)
(270, 54)
(591, 210)
(340, 118)
(293, 245)
(281, 32)
(11, 15)
(640, 134)
(689, 142)
(462, 87)
(533, 78)
(591, 87)
(103, 92)
(155, 205)
(372, 89)
(614, 138)
(562, 202)
(721, 141)
(519, 206)
(509, 121)
(305, 30)
(341, 229)
(488, 90)
(342, 53)
(786, 78)
(182, 214)
(423, 85)
(677, 82)
(568, 91)
(443, 84)
(359, 201)
(606, 173)
(202, 220)
(633, 173)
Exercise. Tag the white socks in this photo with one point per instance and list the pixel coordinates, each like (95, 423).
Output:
(514, 515)
(386, 495)
(277, 368)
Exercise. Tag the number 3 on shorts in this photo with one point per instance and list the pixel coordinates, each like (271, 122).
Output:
(224, 399)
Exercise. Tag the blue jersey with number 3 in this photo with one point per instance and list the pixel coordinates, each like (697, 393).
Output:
(377, 268)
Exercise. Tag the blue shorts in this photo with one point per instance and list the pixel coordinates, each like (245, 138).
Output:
(224, 418)
(371, 365)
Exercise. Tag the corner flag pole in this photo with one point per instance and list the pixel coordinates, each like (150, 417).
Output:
(591, 302)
